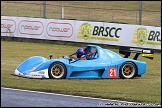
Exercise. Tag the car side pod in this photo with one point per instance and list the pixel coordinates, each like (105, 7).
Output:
(148, 53)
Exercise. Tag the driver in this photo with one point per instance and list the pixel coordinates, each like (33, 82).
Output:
(90, 52)
(81, 53)
(84, 54)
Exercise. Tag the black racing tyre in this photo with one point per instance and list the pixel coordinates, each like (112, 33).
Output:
(57, 71)
(128, 70)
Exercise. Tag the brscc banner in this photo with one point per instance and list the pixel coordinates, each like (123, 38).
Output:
(118, 34)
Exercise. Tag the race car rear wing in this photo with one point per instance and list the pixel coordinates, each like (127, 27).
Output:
(148, 53)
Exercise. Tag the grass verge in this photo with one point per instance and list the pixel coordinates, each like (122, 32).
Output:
(144, 89)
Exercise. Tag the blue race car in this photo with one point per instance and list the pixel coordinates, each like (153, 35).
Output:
(91, 62)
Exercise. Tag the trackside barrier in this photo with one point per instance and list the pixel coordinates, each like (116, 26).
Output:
(82, 31)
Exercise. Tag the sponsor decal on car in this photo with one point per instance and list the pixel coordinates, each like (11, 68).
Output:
(41, 72)
(37, 75)
(32, 69)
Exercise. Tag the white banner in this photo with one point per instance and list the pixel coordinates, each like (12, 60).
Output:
(59, 29)
(119, 34)
(82, 31)
(31, 27)
(8, 26)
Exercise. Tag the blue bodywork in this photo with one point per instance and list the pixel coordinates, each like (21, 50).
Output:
(98, 67)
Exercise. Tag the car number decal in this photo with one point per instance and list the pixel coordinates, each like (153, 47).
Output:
(112, 72)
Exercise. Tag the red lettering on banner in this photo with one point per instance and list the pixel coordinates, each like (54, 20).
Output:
(32, 27)
(28, 27)
(58, 29)
(61, 29)
(6, 25)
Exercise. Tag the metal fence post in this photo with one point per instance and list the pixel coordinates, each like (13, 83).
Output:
(160, 21)
(89, 14)
(140, 12)
(62, 11)
(44, 9)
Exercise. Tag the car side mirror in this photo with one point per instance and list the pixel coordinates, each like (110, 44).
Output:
(70, 60)
(50, 56)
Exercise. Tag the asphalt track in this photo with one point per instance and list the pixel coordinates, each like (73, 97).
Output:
(26, 98)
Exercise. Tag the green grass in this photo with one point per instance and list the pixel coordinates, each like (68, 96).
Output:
(143, 89)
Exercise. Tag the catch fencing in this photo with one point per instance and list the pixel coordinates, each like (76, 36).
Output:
(130, 12)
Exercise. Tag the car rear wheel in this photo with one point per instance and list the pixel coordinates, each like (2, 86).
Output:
(128, 70)
(57, 71)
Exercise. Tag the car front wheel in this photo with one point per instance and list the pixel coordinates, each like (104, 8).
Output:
(57, 71)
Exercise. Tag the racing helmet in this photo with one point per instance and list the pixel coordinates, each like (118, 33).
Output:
(80, 52)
